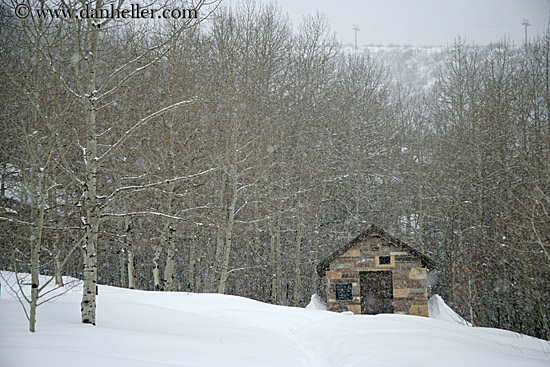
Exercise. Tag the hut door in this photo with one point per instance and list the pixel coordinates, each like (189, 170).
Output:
(376, 292)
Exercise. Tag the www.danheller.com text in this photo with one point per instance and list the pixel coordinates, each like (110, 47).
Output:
(135, 11)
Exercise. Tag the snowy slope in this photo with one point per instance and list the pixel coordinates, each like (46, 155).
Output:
(137, 328)
(414, 67)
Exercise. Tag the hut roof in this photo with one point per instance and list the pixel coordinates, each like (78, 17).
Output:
(373, 230)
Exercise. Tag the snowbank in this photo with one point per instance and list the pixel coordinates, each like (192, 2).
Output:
(316, 303)
(438, 309)
(143, 329)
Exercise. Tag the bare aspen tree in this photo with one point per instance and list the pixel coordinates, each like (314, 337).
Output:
(32, 163)
(94, 94)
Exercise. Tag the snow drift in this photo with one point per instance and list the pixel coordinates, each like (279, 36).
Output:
(438, 309)
(138, 328)
(316, 303)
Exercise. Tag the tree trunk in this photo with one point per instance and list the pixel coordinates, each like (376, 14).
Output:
(278, 270)
(122, 266)
(170, 267)
(88, 305)
(215, 261)
(297, 261)
(3, 179)
(274, 290)
(131, 269)
(131, 254)
(156, 269)
(214, 265)
(275, 254)
(229, 231)
(36, 243)
(232, 205)
(191, 267)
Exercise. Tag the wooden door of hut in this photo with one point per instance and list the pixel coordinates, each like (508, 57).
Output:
(376, 292)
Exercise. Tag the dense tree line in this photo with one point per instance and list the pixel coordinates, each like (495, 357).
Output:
(231, 154)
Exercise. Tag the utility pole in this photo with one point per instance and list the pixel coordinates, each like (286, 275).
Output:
(526, 24)
(356, 29)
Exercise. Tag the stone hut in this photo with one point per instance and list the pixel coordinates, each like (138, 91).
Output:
(376, 273)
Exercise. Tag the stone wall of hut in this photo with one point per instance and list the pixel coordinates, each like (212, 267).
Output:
(409, 277)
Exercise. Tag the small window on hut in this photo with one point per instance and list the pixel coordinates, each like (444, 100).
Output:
(384, 260)
(343, 292)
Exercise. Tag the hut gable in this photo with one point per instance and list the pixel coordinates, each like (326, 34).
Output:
(377, 273)
(374, 232)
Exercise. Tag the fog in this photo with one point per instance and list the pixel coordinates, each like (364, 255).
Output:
(425, 22)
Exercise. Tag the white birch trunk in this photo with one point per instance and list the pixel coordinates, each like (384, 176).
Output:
(88, 305)
(156, 270)
(278, 251)
(275, 255)
(35, 282)
(215, 261)
(3, 179)
(36, 243)
(297, 261)
(229, 231)
(131, 269)
(232, 205)
(257, 225)
(274, 290)
(131, 254)
(122, 266)
(191, 268)
(170, 267)
(215, 268)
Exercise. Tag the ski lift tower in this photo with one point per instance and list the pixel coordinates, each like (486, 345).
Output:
(356, 29)
(526, 24)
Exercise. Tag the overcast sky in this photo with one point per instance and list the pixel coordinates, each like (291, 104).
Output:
(425, 22)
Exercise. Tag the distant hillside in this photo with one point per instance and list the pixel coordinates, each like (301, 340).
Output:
(410, 66)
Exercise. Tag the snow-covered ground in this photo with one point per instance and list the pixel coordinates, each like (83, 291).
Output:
(137, 328)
